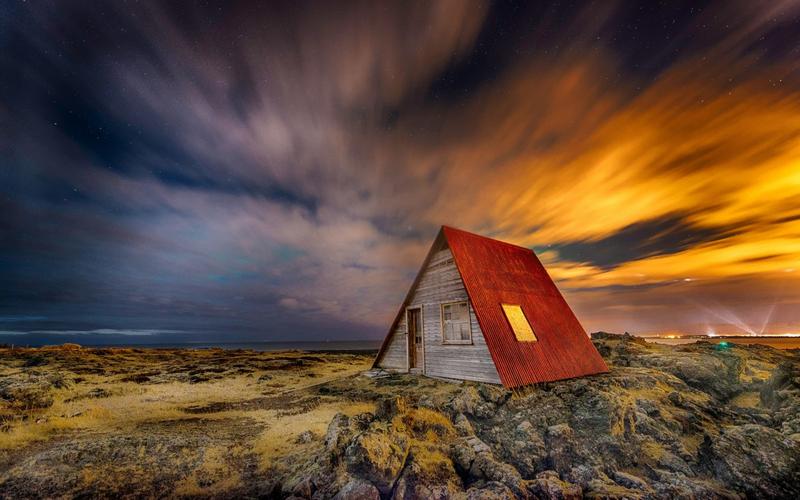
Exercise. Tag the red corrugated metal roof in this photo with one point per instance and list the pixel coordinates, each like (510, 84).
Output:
(495, 273)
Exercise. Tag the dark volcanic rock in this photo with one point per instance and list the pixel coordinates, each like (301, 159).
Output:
(490, 491)
(428, 474)
(337, 433)
(755, 459)
(377, 455)
(561, 447)
(485, 466)
(548, 486)
(357, 489)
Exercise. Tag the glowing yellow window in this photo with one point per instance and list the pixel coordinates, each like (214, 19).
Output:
(519, 323)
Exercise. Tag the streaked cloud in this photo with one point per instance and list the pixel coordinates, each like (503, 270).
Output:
(277, 173)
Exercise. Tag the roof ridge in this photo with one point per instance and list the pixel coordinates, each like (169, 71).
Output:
(494, 240)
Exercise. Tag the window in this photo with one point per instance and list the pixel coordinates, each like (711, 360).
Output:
(519, 323)
(456, 324)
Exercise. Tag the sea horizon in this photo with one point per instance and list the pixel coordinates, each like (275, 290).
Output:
(255, 345)
(33, 340)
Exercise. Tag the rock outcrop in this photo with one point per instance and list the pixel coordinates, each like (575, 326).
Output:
(690, 421)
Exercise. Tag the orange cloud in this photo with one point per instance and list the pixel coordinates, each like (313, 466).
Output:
(565, 150)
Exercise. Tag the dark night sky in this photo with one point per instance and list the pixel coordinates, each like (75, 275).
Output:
(276, 171)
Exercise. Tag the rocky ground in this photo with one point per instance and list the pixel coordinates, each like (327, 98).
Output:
(693, 421)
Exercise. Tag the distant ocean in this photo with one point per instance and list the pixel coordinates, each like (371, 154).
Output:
(94, 341)
(345, 345)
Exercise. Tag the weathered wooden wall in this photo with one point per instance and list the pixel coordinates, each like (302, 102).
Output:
(396, 355)
(441, 283)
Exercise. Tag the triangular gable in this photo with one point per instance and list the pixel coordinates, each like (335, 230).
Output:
(494, 273)
(438, 242)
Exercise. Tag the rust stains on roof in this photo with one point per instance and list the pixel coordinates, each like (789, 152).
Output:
(496, 273)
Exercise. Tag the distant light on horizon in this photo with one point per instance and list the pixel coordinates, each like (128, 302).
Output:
(713, 334)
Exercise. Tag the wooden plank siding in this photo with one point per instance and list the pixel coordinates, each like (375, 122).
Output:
(395, 357)
(440, 283)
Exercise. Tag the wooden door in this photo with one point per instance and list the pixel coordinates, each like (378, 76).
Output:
(414, 338)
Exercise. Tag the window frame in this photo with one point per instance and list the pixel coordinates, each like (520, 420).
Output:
(469, 323)
(511, 325)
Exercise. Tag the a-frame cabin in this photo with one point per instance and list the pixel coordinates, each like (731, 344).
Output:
(485, 310)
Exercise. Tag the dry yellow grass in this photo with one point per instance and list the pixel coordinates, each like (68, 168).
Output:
(42, 428)
(749, 399)
(130, 404)
(281, 435)
(426, 424)
(202, 422)
(213, 477)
